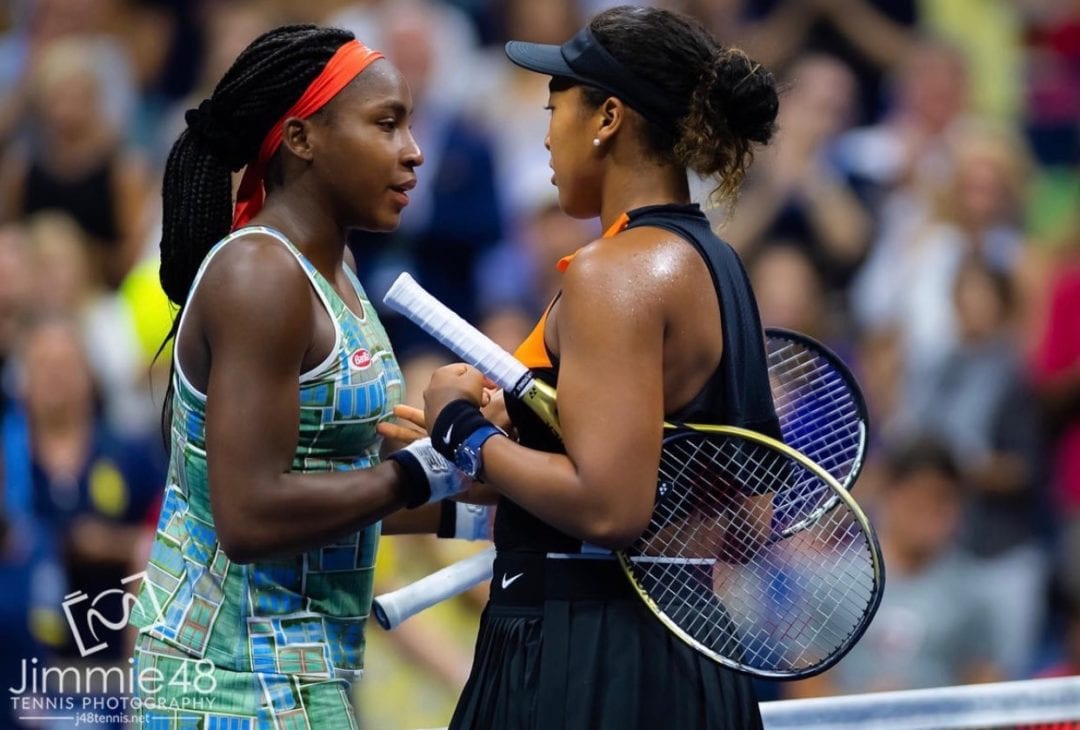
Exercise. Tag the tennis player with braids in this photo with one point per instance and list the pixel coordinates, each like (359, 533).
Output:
(260, 576)
(654, 320)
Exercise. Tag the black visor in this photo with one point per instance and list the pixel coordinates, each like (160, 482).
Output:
(584, 60)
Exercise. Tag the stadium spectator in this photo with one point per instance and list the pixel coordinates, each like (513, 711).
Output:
(979, 403)
(63, 279)
(918, 638)
(977, 211)
(76, 161)
(90, 487)
(797, 193)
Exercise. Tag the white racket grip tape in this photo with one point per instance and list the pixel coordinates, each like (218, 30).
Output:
(390, 609)
(464, 340)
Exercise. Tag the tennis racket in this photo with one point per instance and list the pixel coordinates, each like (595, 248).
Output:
(713, 565)
(821, 412)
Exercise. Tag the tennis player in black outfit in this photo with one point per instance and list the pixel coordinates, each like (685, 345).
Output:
(655, 320)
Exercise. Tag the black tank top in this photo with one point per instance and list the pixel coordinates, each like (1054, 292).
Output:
(89, 199)
(738, 393)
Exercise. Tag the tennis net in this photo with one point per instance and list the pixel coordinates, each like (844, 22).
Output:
(1037, 704)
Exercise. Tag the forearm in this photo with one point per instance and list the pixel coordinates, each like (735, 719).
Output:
(420, 521)
(301, 511)
(840, 221)
(550, 487)
(879, 38)
(774, 40)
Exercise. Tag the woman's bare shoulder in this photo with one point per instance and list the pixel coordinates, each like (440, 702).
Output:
(253, 279)
(644, 258)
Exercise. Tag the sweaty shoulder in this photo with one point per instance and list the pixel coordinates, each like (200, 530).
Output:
(255, 279)
(645, 260)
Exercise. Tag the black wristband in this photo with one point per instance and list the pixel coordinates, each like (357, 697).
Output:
(414, 484)
(455, 423)
(447, 519)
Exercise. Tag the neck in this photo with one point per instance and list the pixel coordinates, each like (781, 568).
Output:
(306, 222)
(906, 561)
(634, 186)
(58, 423)
(74, 154)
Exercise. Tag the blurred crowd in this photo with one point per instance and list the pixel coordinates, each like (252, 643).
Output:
(919, 212)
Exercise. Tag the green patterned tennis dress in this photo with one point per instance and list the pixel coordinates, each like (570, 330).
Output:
(278, 643)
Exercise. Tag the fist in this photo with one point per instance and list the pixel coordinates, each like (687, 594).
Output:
(454, 382)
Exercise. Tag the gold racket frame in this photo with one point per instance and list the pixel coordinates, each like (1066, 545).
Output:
(841, 495)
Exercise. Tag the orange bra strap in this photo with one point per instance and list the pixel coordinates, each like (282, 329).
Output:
(533, 351)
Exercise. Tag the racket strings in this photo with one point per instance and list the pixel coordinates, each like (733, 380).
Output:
(715, 566)
(831, 433)
(819, 416)
(816, 406)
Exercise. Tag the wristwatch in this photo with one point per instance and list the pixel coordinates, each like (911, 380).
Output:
(467, 454)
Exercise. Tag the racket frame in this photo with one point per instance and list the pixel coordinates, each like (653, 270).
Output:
(840, 495)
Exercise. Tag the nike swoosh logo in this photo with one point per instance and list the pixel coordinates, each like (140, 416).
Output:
(507, 582)
(446, 438)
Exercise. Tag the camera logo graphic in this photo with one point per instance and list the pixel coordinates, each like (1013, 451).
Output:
(92, 620)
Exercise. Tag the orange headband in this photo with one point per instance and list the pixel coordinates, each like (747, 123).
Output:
(344, 66)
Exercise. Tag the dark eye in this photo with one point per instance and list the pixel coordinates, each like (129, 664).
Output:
(388, 125)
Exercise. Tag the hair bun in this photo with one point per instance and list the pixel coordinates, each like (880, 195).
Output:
(217, 139)
(747, 93)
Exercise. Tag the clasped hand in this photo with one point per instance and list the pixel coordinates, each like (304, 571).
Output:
(448, 383)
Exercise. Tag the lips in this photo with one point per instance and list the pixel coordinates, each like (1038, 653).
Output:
(401, 191)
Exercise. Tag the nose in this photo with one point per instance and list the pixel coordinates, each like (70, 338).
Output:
(547, 141)
(412, 154)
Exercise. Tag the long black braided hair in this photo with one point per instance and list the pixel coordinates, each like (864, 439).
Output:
(224, 134)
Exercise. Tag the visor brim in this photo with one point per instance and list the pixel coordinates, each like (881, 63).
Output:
(539, 57)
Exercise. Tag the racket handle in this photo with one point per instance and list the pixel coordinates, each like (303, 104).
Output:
(390, 609)
(464, 340)
(474, 347)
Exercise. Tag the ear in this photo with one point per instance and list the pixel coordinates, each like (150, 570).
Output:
(611, 117)
(296, 137)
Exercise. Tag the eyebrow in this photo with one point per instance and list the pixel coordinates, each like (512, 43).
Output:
(395, 106)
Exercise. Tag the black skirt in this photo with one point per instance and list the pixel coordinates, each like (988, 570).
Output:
(566, 645)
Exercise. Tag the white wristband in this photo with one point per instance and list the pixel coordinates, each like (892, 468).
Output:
(427, 469)
(472, 521)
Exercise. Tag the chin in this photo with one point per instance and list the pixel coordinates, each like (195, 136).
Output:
(387, 224)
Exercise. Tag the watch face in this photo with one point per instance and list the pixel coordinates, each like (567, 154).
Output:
(467, 460)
